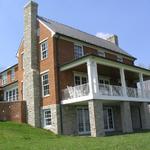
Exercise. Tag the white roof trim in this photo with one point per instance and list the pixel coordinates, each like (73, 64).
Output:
(53, 33)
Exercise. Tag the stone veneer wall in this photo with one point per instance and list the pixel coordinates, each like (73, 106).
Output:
(145, 115)
(55, 114)
(69, 120)
(126, 117)
(96, 118)
(31, 78)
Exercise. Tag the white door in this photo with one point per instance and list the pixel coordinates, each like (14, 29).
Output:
(108, 119)
(83, 122)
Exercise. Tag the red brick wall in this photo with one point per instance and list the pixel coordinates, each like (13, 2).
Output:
(9, 81)
(49, 64)
(13, 111)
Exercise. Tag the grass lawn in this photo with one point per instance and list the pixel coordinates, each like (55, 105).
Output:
(23, 137)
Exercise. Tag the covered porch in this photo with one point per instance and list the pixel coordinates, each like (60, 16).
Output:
(100, 118)
(94, 77)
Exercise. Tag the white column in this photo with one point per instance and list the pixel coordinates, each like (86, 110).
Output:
(92, 77)
(123, 81)
(141, 84)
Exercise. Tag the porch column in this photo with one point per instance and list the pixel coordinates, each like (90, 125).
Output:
(145, 115)
(92, 77)
(126, 117)
(123, 82)
(141, 84)
(96, 118)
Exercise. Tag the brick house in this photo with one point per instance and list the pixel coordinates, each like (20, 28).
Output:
(71, 82)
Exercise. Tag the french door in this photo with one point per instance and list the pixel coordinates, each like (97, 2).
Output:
(83, 122)
(108, 119)
(80, 79)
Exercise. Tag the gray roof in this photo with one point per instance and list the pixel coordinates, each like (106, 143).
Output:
(83, 36)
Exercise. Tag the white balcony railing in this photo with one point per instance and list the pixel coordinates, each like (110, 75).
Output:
(110, 90)
(105, 90)
(75, 92)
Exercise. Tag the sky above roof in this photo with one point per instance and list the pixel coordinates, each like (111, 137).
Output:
(127, 19)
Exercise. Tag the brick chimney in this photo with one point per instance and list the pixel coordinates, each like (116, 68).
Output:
(31, 77)
(113, 39)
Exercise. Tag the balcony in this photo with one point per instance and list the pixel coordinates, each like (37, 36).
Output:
(105, 80)
(105, 92)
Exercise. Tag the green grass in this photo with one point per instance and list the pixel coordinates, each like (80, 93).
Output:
(15, 136)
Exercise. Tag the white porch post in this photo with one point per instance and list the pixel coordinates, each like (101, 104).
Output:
(123, 82)
(92, 77)
(141, 84)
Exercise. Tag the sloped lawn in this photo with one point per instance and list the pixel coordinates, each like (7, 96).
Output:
(23, 137)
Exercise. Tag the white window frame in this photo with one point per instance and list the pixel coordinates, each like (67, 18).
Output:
(12, 74)
(75, 51)
(42, 75)
(120, 58)
(110, 129)
(4, 78)
(83, 115)
(10, 96)
(80, 75)
(46, 118)
(43, 57)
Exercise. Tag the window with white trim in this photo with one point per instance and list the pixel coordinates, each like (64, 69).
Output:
(44, 50)
(11, 95)
(80, 79)
(45, 84)
(4, 78)
(47, 117)
(119, 58)
(12, 74)
(78, 51)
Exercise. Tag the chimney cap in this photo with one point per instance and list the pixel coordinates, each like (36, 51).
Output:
(30, 2)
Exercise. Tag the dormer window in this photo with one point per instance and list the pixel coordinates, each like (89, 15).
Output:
(78, 51)
(119, 58)
(44, 50)
(101, 53)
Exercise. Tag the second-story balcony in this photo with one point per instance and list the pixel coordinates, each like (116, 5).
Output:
(97, 78)
(105, 91)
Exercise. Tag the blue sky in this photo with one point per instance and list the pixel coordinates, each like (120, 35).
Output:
(129, 19)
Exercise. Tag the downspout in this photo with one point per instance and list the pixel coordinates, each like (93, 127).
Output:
(58, 82)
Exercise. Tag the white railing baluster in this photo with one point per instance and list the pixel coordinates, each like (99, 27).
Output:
(104, 89)
(75, 92)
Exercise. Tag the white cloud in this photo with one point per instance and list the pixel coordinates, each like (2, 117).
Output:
(103, 35)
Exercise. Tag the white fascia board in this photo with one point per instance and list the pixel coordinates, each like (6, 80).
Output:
(53, 33)
(105, 62)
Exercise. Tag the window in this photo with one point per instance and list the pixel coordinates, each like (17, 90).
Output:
(4, 79)
(13, 74)
(11, 95)
(80, 79)
(78, 51)
(45, 84)
(119, 58)
(101, 53)
(47, 117)
(44, 50)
